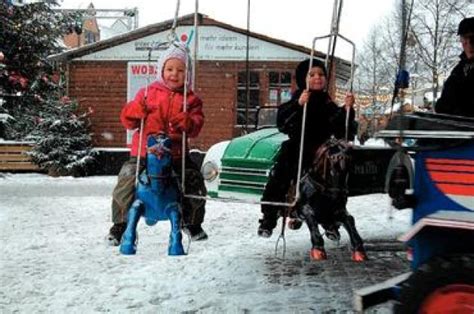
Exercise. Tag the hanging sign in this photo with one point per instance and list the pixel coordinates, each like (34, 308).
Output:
(215, 43)
(139, 74)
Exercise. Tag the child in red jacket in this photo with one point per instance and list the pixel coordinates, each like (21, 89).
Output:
(161, 107)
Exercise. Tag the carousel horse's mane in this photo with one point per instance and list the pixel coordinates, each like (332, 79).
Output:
(331, 166)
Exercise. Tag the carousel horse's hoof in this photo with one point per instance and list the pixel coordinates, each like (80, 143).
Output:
(318, 255)
(175, 244)
(128, 246)
(294, 224)
(175, 247)
(359, 256)
(128, 243)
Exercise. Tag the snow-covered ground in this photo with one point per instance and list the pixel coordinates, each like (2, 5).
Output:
(54, 257)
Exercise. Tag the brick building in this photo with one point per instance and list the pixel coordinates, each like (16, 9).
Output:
(88, 31)
(105, 74)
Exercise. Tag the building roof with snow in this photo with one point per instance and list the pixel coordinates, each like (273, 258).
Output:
(343, 66)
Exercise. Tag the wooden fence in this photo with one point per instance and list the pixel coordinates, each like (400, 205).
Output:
(14, 158)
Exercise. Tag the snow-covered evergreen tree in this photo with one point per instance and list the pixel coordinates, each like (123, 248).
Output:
(63, 145)
(33, 105)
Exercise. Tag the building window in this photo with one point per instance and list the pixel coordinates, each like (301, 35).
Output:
(279, 90)
(246, 112)
(90, 37)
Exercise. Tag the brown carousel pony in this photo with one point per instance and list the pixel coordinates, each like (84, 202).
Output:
(323, 199)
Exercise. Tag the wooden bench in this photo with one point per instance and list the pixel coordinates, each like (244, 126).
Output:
(13, 157)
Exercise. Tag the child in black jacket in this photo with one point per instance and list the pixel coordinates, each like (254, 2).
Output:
(324, 119)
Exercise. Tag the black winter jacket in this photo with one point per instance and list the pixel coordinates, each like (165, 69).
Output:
(323, 119)
(457, 97)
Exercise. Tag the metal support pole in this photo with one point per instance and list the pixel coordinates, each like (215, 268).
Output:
(247, 70)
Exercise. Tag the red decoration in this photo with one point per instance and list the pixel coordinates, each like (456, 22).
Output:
(65, 100)
(17, 78)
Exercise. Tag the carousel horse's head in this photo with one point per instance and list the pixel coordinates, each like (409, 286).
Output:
(330, 169)
(159, 157)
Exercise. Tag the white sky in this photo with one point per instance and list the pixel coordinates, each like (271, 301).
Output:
(295, 21)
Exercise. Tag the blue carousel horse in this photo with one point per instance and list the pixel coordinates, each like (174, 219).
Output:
(156, 197)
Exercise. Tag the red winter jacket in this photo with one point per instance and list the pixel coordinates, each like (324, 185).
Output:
(161, 105)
